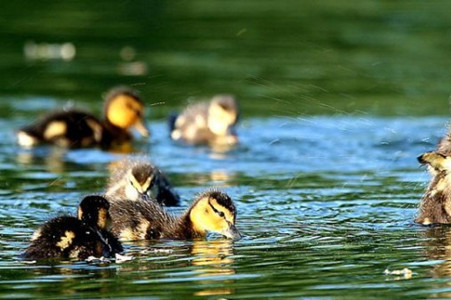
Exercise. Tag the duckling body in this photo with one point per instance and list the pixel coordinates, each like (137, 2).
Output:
(435, 205)
(211, 122)
(79, 238)
(78, 129)
(444, 146)
(212, 211)
(134, 179)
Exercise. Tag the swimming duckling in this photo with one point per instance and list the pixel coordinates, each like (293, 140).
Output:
(435, 205)
(133, 179)
(212, 211)
(70, 237)
(76, 129)
(207, 122)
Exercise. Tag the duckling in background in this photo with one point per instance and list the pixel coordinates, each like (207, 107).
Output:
(123, 109)
(78, 238)
(134, 179)
(212, 211)
(210, 122)
(435, 206)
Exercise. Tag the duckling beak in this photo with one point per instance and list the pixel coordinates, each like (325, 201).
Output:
(232, 135)
(232, 233)
(421, 159)
(141, 128)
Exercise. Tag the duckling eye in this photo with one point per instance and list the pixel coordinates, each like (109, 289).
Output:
(221, 214)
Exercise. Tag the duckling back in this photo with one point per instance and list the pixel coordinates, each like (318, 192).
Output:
(67, 237)
(139, 220)
(71, 129)
(191, 125)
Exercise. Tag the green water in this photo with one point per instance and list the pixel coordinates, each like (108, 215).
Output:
(338, 98)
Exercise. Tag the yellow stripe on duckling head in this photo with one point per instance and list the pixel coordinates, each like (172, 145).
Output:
(66, 240)
(208, 215)
(436, 160)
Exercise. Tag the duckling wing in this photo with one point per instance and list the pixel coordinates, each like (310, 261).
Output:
(166, 194)
(138, 220)
(55, 239)
(191, 125)
(71, 129)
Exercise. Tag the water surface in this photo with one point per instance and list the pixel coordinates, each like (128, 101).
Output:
(325, 204)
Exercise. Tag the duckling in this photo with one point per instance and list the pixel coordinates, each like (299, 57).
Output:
(435, 205)
(77, 129)
(79, 238)
(210, 122)
(134, 179)
(212, 211)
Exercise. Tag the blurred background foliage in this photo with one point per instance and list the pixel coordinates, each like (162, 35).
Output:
(286, 57)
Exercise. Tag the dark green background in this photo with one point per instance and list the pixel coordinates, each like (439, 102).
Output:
(285, 57)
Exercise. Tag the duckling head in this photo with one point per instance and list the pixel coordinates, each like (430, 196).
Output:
(222, 115)
(124, 109)
(214, 211)
(140, 180)
(93, 210)
(435, 161)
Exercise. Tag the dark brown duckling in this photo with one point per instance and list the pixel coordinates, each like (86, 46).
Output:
(77, 129)
(435, 206)
(134, 179)
(211, 122)
(212, 211)
(76, 238)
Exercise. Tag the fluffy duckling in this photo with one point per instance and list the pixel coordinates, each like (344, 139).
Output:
(79, 238)
(435, 206)
(444, 146)
(210, 122)
(123, 109)
(212, 211)
(134, 179)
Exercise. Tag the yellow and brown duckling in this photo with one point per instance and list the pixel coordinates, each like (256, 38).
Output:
(212, 211)
(435, 205)
(123, 110)
(211, 122)
(76, 238)
(138, 179)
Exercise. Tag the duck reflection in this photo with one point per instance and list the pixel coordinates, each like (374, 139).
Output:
(209, 262)
(66, 278)
(439, 248)
(217, 178)
(52, 158)
(213, 259)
